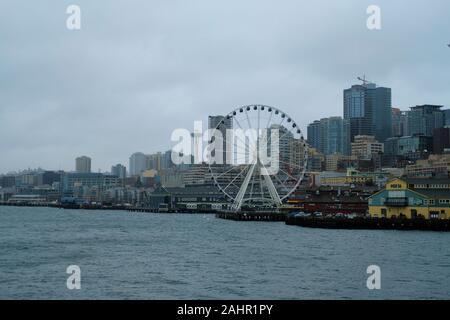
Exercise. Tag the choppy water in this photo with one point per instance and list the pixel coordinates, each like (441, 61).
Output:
(129, 255)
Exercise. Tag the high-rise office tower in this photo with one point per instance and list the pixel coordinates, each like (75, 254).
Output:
(119, 171)
(225, 124)
(422, 120)
(441, 140)
(335, 138)
(399, 123)
(138, 163)
(313, 133)
(330, 135)
(83, 164)
(368, 108)
(447, 117)
(155, 161)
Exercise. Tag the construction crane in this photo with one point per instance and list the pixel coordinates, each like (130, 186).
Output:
(364, 81)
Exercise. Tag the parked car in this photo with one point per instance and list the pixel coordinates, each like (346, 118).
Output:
(317, 214)
(302, 215)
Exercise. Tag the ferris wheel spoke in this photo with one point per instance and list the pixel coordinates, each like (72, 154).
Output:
(286, 133)
(259, 119)
(270, 119)
(224, 173)
(235, 178)
(284, 186)
(250, 125)
(296, 179)
(291, 164)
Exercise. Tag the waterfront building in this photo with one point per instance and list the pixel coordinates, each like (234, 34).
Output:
(138, 163)
(331, 201)
(366, 147)
(48, 178)
(119, 171)
(124, 196)
(27, 198)
(368, 108)
(7, 181)
(74, 182)
(422, 120)
(7, 193)
(412, 198)
(197, 199)
(172, 178)
(27, 179)
(83, 164)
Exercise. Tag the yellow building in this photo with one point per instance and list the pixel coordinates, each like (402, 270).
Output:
(412, 198)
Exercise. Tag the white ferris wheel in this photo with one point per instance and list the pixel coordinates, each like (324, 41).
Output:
(262, 161)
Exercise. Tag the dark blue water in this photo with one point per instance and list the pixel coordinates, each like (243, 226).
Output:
(129, 255)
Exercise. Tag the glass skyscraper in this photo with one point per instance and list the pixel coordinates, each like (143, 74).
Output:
(330, 135)
(424, 119)
(368, 108)
(314, 134)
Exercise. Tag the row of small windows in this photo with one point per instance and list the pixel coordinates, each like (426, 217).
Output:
(431, 186)
(425, 202)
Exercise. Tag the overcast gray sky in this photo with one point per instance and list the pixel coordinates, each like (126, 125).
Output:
(139, 69)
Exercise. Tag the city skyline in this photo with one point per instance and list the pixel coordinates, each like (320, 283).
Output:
(90, 98)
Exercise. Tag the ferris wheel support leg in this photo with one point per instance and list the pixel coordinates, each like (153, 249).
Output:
(240, 196)
(272, 191)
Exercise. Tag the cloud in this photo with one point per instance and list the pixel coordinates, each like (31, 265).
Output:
(139, 69)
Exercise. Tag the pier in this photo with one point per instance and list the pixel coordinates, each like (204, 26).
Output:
(370, 224)
(268, 216)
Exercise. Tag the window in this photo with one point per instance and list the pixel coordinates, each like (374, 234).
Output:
(434, 214)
